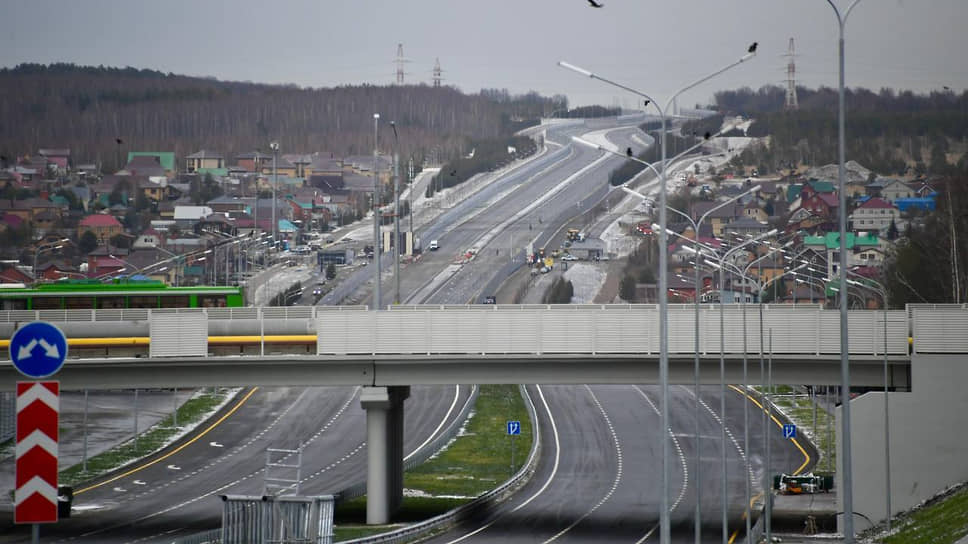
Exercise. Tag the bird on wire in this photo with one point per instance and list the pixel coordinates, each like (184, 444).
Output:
(595, 4)
(707, 135)
(752, 48)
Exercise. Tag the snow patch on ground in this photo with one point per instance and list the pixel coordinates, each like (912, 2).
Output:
(587, 279)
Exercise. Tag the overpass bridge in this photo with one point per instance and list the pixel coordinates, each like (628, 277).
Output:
(388, 351)
(407, 345)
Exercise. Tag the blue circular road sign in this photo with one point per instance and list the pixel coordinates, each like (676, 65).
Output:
(38, 349)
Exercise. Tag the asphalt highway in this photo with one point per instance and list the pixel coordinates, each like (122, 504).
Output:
(162, 498)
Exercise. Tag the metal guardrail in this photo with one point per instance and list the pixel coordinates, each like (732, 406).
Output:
(208, 537)
(495, 495)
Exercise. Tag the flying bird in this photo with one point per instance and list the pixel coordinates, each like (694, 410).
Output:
(628, 151)
(646, 103)
(453, 172)
(752, 48)
(707, 135)
(595, 4)
(947, 88)
(119, 141)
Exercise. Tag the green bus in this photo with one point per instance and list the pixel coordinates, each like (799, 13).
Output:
(119, 293)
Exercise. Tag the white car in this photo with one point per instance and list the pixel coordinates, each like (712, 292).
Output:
(569, 257)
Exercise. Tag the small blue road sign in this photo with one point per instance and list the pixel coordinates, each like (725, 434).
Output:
(789, 431)
(38, 349)
(514, 427)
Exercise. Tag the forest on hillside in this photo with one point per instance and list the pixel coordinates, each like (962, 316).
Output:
(87, 109)
(892, 133)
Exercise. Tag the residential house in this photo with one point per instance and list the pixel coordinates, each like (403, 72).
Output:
(717, 218)
(896, 189)
(254, 161)
(54, 270)
(60, 158)
(144, 165)
(828, 246)
(823, 204)
(148, 239)
(876, 214)
(104, 226)
(10, 273)
(107, 260)
(801, 294)
(27, 209)
(188, 216)
(301, 162)
(155, 192)
(753, 211)
(204, 160)
(280, 166)
(873, 188)
(216, 223)
(364, 164)
(165, 158)
(324, 165)
(746, 227)
(228, 204)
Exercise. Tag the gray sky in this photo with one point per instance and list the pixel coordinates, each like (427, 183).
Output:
(652, 45)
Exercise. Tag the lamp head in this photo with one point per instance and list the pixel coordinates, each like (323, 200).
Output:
(574, 68)
(376, 115)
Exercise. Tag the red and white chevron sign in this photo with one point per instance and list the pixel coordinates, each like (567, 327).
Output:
(35, 497)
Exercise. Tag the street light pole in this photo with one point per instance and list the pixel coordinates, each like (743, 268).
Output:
(275, 225)
(848, 493)
(664, 525)
(377, 293)
(396, 216)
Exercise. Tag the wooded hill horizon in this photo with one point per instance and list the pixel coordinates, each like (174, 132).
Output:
(86, 108)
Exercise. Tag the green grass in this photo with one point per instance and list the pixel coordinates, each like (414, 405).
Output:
(476, 462)
(149, 441)
(799, 408)
(481, 459)
(942, 522)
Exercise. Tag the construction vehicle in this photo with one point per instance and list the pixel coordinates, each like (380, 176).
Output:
(803, 483)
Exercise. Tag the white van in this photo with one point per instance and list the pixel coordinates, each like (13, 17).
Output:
(433, 245)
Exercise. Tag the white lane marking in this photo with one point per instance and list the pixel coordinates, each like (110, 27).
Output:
(554, 470)
(225, 457)
(682, 461)
(682, 457)
(440, 426)
(729, 433)
(215, 445)
(139, 482)
(173, 467)
(618, 472)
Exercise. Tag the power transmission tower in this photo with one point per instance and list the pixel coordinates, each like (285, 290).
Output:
(400, 61)
(437, 73)
(791, 93)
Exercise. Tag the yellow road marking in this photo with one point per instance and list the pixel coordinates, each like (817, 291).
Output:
(806, 456)
(176, 450)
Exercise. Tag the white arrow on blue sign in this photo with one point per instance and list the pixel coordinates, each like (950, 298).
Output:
(789, 431)
(38, 349)
(514, 427)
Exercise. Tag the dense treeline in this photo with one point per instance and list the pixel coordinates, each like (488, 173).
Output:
(485, 155)
(88, 108)
(891, 133)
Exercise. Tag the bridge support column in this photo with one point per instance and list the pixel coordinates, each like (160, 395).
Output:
(384, 445)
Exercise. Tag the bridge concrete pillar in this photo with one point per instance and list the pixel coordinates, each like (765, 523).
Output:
(384, 449)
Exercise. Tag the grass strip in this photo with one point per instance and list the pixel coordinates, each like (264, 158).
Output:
(478, 460)
(154, 438)
(800, 409)
(942, 522)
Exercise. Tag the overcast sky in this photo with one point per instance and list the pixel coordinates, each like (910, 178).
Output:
(652, 45)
